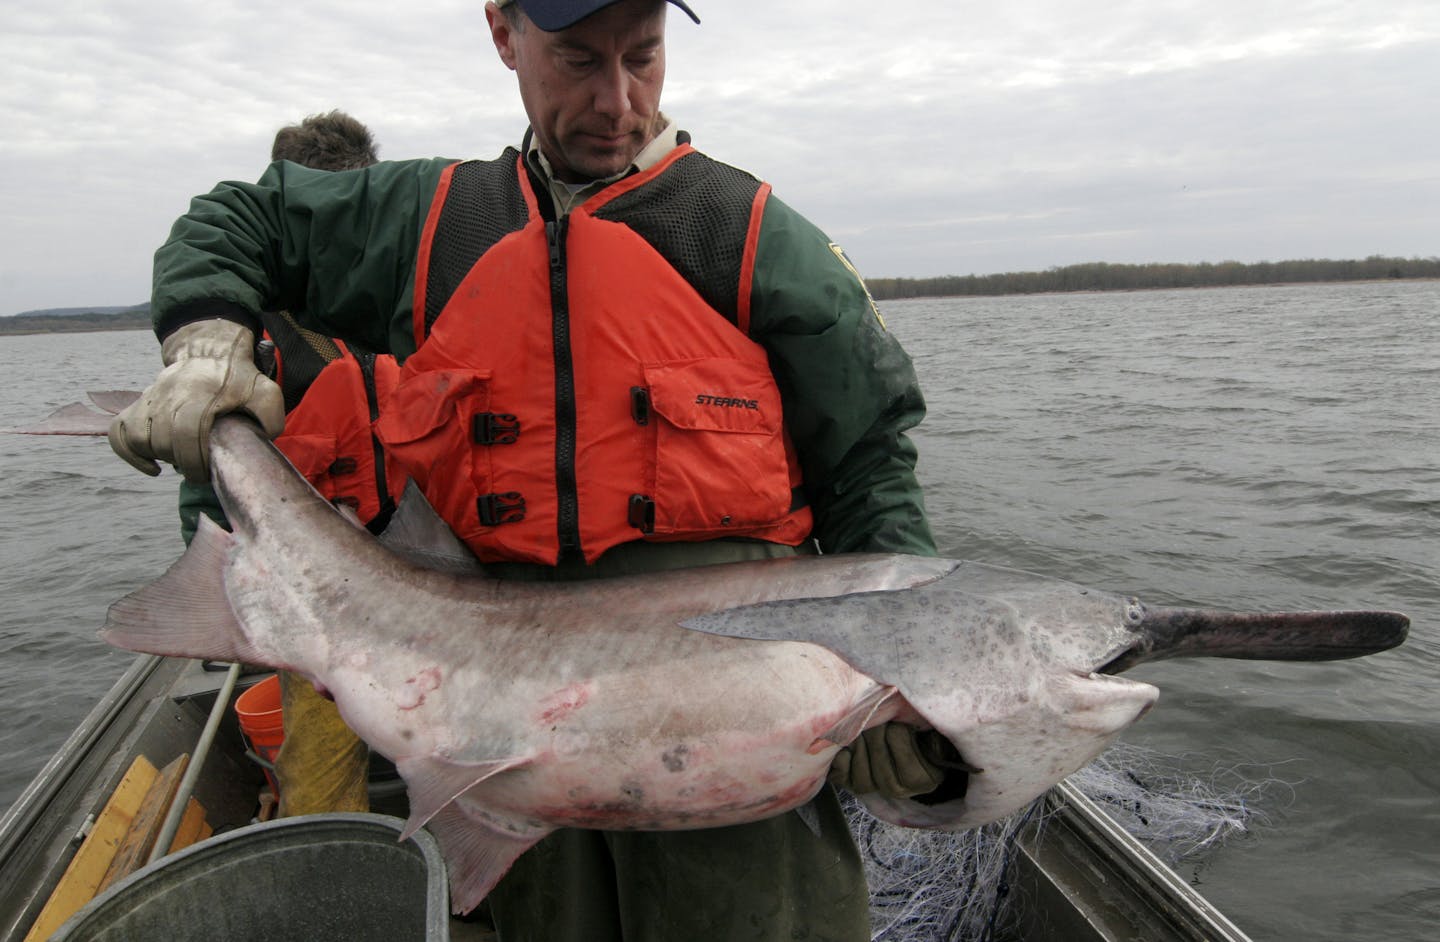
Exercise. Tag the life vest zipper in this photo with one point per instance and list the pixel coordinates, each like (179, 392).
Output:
(567, 492)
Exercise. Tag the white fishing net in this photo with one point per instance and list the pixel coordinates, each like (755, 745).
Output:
(1179, 814)
(932, 886)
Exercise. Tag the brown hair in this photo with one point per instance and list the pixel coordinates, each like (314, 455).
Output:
(333, 141)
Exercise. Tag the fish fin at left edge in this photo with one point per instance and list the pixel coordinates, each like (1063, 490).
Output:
(434, 782)
(476, 855)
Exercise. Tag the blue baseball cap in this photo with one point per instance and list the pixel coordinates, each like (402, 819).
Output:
(553, 15)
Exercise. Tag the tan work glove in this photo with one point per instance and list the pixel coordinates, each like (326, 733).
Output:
(888, 759)
(209, 371)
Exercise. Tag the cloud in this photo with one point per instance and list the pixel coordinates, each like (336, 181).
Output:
(930, 139)
(1133, 150)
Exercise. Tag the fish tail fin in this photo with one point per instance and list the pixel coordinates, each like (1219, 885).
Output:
(184, 613)
(77, 418)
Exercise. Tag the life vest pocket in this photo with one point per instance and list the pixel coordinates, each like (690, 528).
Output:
(311, 454)
(719, 462)
(426, 428)
(339, 478)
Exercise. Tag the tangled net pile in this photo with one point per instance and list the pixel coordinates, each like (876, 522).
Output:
(934, 886)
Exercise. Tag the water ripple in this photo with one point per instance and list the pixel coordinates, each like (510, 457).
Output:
(1252, 448)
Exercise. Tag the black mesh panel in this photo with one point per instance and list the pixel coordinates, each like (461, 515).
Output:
(484, 205)
(302, 353)
(695, 215)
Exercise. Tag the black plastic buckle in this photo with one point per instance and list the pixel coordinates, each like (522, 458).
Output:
(640, 405)
(265, 359)
(495, 428)
(642, 513)
(495, 509)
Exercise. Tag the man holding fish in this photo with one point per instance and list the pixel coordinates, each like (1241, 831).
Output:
(620, 356)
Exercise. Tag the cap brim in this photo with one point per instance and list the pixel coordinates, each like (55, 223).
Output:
(553, 17)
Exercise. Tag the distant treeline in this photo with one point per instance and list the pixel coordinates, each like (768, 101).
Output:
(1101, 276)
(73, 323)
(1091, 276)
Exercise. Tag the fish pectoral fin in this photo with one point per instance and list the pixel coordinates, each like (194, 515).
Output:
(809, 814)
(476, 855)
(435, 781)
(853, 723)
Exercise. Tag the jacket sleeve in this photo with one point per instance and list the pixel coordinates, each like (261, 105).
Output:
(849, 390)
(197, 499)
(336, 249)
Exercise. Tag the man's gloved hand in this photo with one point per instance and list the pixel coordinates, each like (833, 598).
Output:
(890, 759)
(209, 371)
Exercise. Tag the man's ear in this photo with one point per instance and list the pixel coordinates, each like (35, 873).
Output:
(501, 34)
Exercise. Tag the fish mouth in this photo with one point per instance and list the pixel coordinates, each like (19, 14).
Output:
(1126, 659)
(943, 754)
(1162, 633)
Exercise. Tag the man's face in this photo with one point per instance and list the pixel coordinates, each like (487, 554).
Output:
(592, 92)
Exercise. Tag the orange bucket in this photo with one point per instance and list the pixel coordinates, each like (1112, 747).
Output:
(260, 721)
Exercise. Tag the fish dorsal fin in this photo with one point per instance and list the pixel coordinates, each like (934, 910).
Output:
(476, 855)
(418, 533)
(435, 781)
(849, 726)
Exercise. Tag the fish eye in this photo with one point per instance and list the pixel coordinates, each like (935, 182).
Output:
(1134, 612)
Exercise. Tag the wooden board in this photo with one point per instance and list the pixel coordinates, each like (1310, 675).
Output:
(87, 869)
(193, 827)
(121, 840)
(134, 849)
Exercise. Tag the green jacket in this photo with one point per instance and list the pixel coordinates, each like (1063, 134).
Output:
(338, 251)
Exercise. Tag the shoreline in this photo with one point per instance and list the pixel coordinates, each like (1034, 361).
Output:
(87, 324)
(1263, 284)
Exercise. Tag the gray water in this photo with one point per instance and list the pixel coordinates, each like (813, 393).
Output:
(1243, 448)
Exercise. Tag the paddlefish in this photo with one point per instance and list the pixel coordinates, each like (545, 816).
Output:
(690, 699)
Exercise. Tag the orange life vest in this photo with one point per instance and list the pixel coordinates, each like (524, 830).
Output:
(330, 410)
(588, 381)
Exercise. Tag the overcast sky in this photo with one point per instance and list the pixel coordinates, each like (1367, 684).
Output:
(928, 138)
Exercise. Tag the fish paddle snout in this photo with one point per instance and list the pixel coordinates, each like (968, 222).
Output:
(1281, 636)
